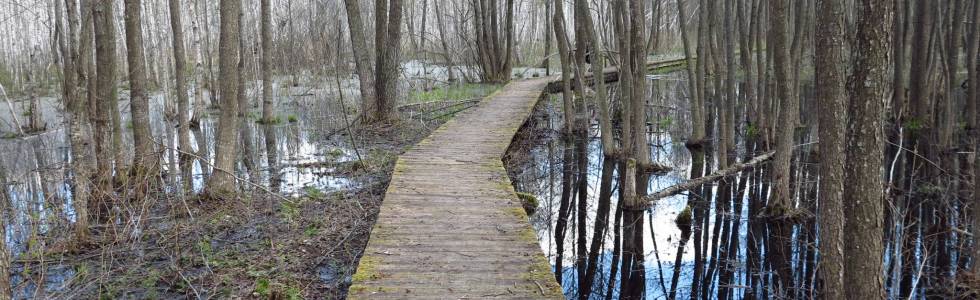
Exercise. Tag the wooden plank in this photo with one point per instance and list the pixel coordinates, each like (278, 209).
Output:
(451, 226)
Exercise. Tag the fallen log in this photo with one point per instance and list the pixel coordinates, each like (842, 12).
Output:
(717, 175)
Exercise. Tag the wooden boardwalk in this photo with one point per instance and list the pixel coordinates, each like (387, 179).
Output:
(451, 226)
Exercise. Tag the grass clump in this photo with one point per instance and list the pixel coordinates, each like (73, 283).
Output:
(461, 91)
(273, 121)
(529, 202)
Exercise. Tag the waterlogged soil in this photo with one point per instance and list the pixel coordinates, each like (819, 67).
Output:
(258, 245)
(300, 240)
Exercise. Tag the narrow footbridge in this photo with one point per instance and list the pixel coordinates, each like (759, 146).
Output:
(451, 226)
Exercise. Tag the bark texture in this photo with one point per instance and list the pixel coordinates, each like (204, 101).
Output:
(362, 56)
(183, 103)
(832, 116)
(105, 97)
(144, 159)
(222, 180)
(781, 203)
(863, 207)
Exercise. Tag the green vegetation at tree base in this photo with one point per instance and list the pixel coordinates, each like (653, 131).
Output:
(463, 91)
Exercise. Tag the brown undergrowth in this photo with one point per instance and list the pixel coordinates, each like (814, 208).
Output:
(256, 246)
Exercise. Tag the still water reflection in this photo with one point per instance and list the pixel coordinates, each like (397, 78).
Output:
(538, 171)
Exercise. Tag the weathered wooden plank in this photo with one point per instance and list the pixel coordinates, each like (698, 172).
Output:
(451, 226)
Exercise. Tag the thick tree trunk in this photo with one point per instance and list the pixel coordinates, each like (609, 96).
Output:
(145, 162)
(105, 97)
(79, 134)
(832, 112)
(973, 120)
(388, 34)
(222, 181)
(863, 208)
(781, 204)
(633, 285)
(362, 56)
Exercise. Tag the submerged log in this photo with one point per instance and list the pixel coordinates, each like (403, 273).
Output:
(717, 175)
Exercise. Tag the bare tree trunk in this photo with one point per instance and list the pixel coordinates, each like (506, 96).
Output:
(444, 42)
(105, 95)
(362, 56)
(558, 20)
(388, 33)
(697, 118)
(145, 162)
(88, 74)
(222, 181)
(917, 129)
(583, 24)
(546, 63)
(245, 131)
(198, 58)
(863, 208)
(780, 206)
(5, 203)
(973, 119)
(832, 116)
(183, 104)
(35, 122)
(494, 53)
(268, 106)
(79, 134)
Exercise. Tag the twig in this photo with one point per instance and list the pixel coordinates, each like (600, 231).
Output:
(10, 107)
(343, 105)
(540, 288)
(232, 174)
(918, 155)
(198, 295)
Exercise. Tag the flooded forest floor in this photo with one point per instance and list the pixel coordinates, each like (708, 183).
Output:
(263, 245)
(259, 245)
(301, 239)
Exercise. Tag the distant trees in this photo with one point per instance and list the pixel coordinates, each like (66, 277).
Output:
(494, 38)
(379, 90)
(912, 192)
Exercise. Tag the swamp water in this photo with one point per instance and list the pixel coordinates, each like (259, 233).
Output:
(315, 157)
(535, 165)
